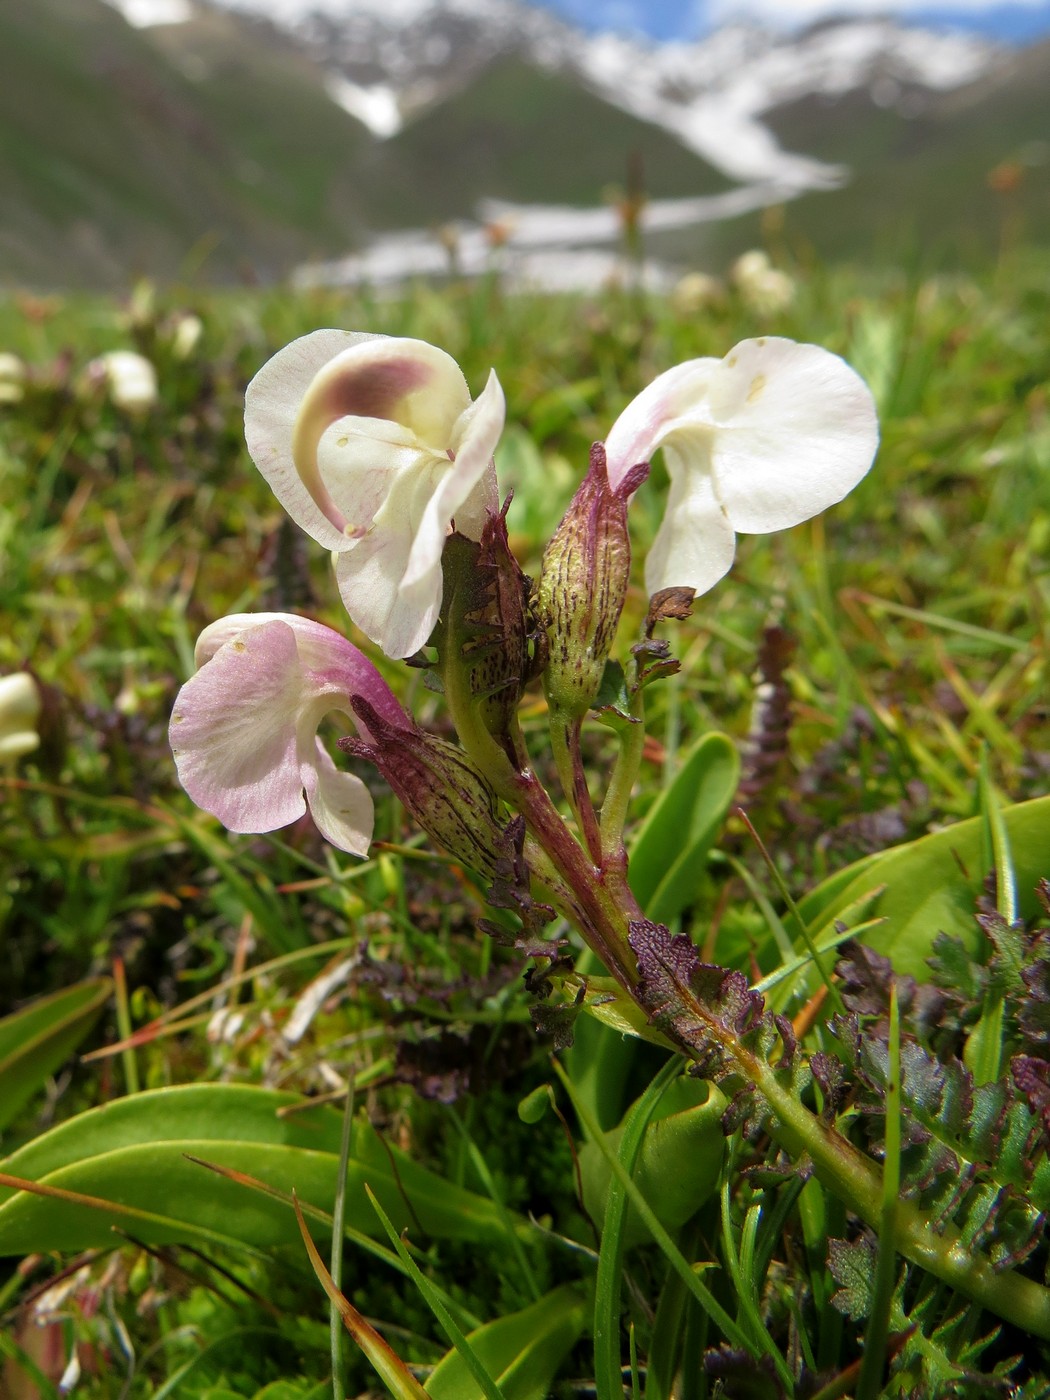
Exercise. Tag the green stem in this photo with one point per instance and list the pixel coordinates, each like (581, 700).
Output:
(856, 1181)
(624, 777)
(596, 898)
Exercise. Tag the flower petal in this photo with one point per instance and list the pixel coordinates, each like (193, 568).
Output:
(406, 383)
(358, 460)
(271, 408)
(467, 491)
(340, 804)
(673, 400)
(398, 617)
(244, 727)
(796, 429)
(333, 665)
(233, 731)
(695, 544)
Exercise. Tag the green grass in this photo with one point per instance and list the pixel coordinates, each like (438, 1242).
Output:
(920, 608)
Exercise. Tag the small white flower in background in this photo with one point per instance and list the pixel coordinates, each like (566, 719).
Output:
(759, 441)
(128, 379)
(186, 330)
(12, 378)
(19, 713)
(373, 446)
(762, 287)
(696, 291)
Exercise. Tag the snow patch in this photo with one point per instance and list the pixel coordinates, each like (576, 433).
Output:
(144, 14)
(376, 106)
(544, 247)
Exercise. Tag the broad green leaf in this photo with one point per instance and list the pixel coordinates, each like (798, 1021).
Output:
(678, 1165)
(36, 1040)
(133, 1154)
(521, 1351)
(668, 854)
(931, 885)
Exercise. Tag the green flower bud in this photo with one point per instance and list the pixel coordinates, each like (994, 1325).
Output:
(583, 584)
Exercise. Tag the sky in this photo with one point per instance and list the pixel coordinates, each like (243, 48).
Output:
(1018, 22)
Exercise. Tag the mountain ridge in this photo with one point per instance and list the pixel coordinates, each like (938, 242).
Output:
(265, 145)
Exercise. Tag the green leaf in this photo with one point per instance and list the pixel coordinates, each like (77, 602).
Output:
(669, 851)
(132, 1156)
(931, 885)
(679, 1162)
(522, 1351)
(40, 1037)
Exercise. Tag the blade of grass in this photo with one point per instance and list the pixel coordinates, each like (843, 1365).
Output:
(120, 987)
(517, 1248)
(873, 1362)
(361, 1240)
(743, 1282)
(338, 1221)
(379, 1352)
(607, 1370)
(437, 1307)
(807, 937)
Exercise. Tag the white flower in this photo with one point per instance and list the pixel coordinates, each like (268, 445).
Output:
(373, 447)
(767, 437)
(12, 378)
(185, 332)
(763, 287)
(130, 381)
(696, 291)
(244, 728)
(19, 712)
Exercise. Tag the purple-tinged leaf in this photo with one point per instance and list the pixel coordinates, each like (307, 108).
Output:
(699, 1005)
(743, 1377)
(829, 1074)
(852, 1266)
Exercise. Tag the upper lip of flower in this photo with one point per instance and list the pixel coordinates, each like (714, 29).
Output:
(373, 446)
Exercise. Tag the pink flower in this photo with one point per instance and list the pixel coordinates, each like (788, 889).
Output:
(244, 728)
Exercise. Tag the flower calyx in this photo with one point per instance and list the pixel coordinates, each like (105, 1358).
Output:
(484, 637)
(438, 786)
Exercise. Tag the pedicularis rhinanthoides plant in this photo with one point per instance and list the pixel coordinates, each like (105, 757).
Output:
(375, 448)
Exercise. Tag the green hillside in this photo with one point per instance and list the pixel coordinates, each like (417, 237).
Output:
(212, 147)
(520, 134)
(969, 169)
(113, 159)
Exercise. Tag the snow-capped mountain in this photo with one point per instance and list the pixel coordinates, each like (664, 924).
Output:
(276, 132)
(389, 60)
